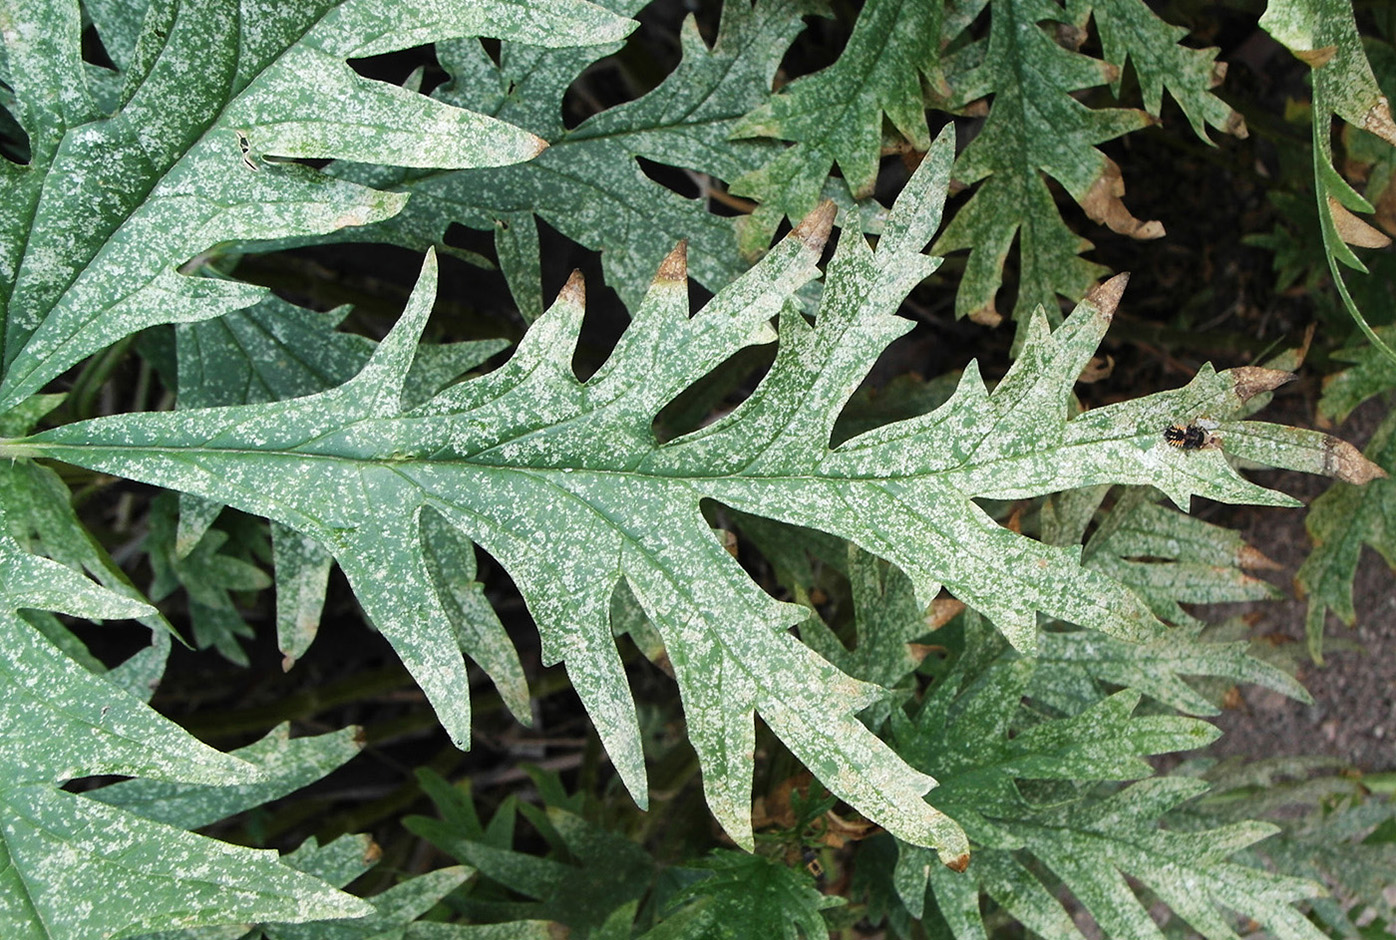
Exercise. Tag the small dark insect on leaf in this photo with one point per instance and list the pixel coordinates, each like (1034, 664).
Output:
(812, 864)
(1191, 437)
(246, 147)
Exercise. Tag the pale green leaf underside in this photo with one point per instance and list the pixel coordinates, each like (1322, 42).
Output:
(93, 230)
(564, 483)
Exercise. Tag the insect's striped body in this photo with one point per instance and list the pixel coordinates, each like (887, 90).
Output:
(1191, 437)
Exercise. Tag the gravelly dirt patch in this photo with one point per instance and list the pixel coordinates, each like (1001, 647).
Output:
(1354, 712)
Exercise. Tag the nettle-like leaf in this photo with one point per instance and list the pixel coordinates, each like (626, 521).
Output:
(587, 184)
(1371, 373)
(1014, 777)
(94, 228)
(565, 484)
(1034, 127)
(1323, 34)
(72, 866)
(209, 577)
(1131, 32)
(592, 880)
(834, 116)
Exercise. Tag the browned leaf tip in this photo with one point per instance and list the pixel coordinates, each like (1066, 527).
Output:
(373, 853)
(986, 316)
(1250, 381)
(942, 611)
(728, 538)
(575, 290)
(1103, 204)
(919, 651)
(287, 661)
(1071, 37)
(1353, 230)
(1385, 205)
(1235, 125)
(539, 144)
(1315, 58)
(814, 228)
(1106, 297)
(1256, 560)
(1345, 462)
(674, 267)
(360, 737)
(1378, 120)
(958, 864)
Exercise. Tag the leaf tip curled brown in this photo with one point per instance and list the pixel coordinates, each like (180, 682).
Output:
(287, 661)
(373, 853)
(1250, 381)
(814, 228)
(1104, 204)
(1354, 230)
(674, 267)
(1344, 462)
(1106, 297)
(538, 144)
(959, 863)
(574, 291)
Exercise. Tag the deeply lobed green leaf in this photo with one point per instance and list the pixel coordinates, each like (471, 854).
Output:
(564, 483)
(95, 227)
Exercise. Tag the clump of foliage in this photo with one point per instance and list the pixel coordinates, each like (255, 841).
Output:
(954, 602)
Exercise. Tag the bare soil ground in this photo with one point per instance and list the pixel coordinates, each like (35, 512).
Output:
(1354, 712)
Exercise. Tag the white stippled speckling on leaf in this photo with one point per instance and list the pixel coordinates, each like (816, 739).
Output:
(285, 764)
(564, 483)
(95, 228)
(73, 868)
(996, 755)
(587, 184)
